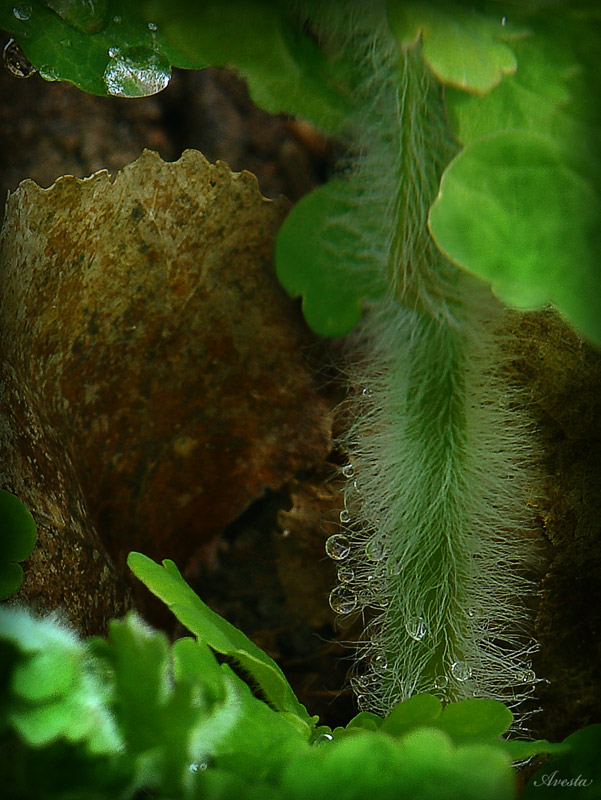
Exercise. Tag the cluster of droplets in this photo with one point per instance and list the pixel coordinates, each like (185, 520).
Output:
(360, 562)
(134, 71)
(364, 566)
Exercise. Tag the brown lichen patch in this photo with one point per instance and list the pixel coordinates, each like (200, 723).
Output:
(143, 316)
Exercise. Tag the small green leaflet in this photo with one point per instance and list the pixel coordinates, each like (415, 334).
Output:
(167, 583)
(17, 540)
(462, 47)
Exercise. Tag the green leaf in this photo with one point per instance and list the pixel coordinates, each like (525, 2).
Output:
(475, 719)
(56, 693)
(416, 712)
(193, 660)
(16, 543)
(521, 751)
(462, 47)
(51, 674)
(167, 583)
(157, 716)
(511, 211)
(576, 772)
(72, 43)
(309, 261)
(247, 737)
(424, 765)
(284, 68)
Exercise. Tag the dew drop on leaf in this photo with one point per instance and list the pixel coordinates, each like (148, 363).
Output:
(348, 471)
(48, 73)
(137, 72)
(338, 547)
(87, 16)
(461, 671)
(345, 516)
(22, 12)
(527, 676)
(117, 20)
(323, 739)
(342, 600)
(441, 682)
(15, 61)
(416, 628)
(152, 26)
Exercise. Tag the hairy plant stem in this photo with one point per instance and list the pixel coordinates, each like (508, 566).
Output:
(436, 535)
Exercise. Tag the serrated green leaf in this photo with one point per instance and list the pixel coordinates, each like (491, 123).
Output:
(512, 212)
(56, 694)
(416, 712)
(423, 765)
(462, 47)
(167, 583)
(284, 68)
(156, 716)
(309, 262)
(17, 540)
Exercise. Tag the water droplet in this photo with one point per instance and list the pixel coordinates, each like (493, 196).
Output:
(375, 550)
(416, 628)
(355, 486)
(503, 21)
(366, 392)
(15, 61)
(348, 471)
(152, 26)
(461, 671)
(22, 12)
(113, 52)
(285, 533)
(137, 72)
(87, 16)
(471, 613)
(527, 676)
(342, 600)
(441, 682)
(338, 547)
(380, 662)
(204, 763)
(394, 568)
(65, 42)
(345, 574)
(323, 739)
(344, 516)
(117, 20)
(48, 73)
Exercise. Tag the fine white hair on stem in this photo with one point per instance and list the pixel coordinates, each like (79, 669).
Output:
(436, 541)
